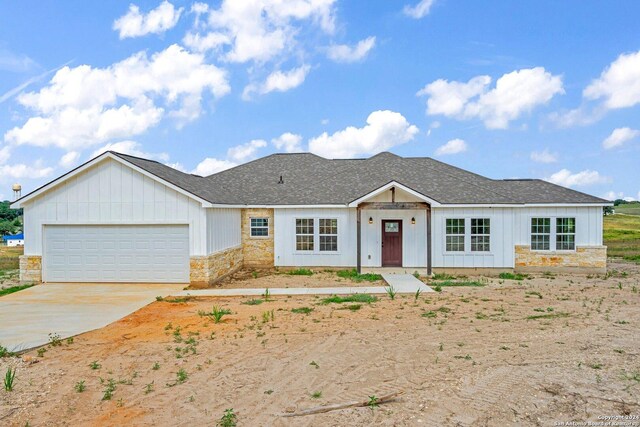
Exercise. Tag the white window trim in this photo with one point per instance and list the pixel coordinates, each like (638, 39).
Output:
(553, 234)
(467, 235)
(316, 236)
(251, 236)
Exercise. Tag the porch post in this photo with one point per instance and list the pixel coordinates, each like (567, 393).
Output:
(428, 210)
(359, 244)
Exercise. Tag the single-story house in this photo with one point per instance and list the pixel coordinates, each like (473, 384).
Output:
(120, 218)
(15, 240)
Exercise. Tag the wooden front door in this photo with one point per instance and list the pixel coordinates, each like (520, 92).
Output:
(392, 243)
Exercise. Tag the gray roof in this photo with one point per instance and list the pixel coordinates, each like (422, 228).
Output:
(313, 180)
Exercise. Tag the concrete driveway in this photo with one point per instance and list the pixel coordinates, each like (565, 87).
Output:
(28, 317)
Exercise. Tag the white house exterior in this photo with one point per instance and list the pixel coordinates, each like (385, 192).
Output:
(14, 241)
(119, 218)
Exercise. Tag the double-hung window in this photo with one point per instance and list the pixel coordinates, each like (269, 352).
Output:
(259, 227)
(565, 234)
(480, 235)
(316, 235)
(328, 234)
(455, 235)
(540, 234)
(304, 234)
(553, 234)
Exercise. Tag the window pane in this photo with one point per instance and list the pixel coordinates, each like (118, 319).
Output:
(328, 226)
(328, 243)
(260, 232)
(480, 244)
(540, 242)
(455, 226)
(259, 227)
(304, 243)
(455, 244)
(391, 227)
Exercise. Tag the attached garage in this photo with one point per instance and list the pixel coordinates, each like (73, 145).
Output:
(116, 253)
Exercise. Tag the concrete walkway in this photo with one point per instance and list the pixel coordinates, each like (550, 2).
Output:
(401, 287)
(405, 281)
(28, 317)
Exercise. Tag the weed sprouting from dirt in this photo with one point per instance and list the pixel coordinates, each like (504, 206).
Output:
(55, 340)
(512, 276)
(95, 365)
(548, 316)
(390, 290)
(300, 272)
(302, 310)
(228, 419)
(79, 387)
(9, 378)
(316, 395)
(353, 275)
(256, 301)
(109, 389)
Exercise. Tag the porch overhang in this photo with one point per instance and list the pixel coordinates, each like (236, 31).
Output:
(389, 186)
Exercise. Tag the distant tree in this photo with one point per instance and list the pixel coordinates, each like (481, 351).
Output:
(617, 202)
(6, 227)
(607, 210)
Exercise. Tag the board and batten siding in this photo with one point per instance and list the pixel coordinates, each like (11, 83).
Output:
(112, 193)
(501, 254)
(223, 229)
(509, 227)
(285, 238)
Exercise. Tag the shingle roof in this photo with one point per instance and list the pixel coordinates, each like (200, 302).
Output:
(312, 180)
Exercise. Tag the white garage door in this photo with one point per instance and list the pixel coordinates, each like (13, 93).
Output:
(116, 253)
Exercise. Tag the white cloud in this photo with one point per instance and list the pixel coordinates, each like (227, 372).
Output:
(17, 63)
(69, 159)
(565, 178)
(384, 130)
(619, 84)
(454, 146)
(515, 93)
(243, 152)
(288, 142)
(157, 21)
(210, 166)
(22, 171)
(132, 148)
(84, 105)
(420, 10)
(278, 81)
(544, 156)
(619, 136)
(346, 53)
(5, 154)
(200, 43)
(259, 30)
(613, 195)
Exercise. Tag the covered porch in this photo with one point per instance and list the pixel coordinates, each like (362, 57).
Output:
(393, 231)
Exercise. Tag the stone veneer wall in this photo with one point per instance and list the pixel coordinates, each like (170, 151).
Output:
(585, 259)
(258, 251)
(205, 270)
(30, 268)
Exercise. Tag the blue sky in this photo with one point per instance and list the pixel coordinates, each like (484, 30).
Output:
(541, 89)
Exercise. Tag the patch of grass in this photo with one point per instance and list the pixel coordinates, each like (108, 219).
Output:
(181, 376)
(9, 378)
(54, 340)
(302, 310)
(300, 272)
(155, 366)
(109, 389)
(79, 387)
(177, 300)
(4, 352)
(443, 276)
(450, 283)
(430, 314)
(512, 276)
(352, 307)
(316, 395)
(548, 316)
(353, 275)
(95, 365)
(41, 351)
(12, 289)
(361, 298)
(229, 419)
(622, 235)
(256, 301)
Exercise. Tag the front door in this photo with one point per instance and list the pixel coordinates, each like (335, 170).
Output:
(392, 243)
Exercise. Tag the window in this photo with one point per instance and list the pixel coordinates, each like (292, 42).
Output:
(565, 234)
(540, 234)
(480, 235)
(328, 235)
(259, 227)
(304, 234)
(455, 235)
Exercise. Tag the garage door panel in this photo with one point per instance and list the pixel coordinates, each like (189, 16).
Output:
(116, 253)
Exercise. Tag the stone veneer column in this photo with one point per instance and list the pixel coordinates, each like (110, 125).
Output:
(30, 269)
(257, 251)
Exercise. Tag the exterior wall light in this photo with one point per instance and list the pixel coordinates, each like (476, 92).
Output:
(370, 220)
(413, 220)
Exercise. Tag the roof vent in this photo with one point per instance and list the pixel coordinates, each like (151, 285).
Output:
(281, 181)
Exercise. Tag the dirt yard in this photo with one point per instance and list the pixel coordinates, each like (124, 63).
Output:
(531, 352)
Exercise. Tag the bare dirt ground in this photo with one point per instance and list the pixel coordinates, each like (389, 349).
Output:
(466, 356)
(262, 279)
